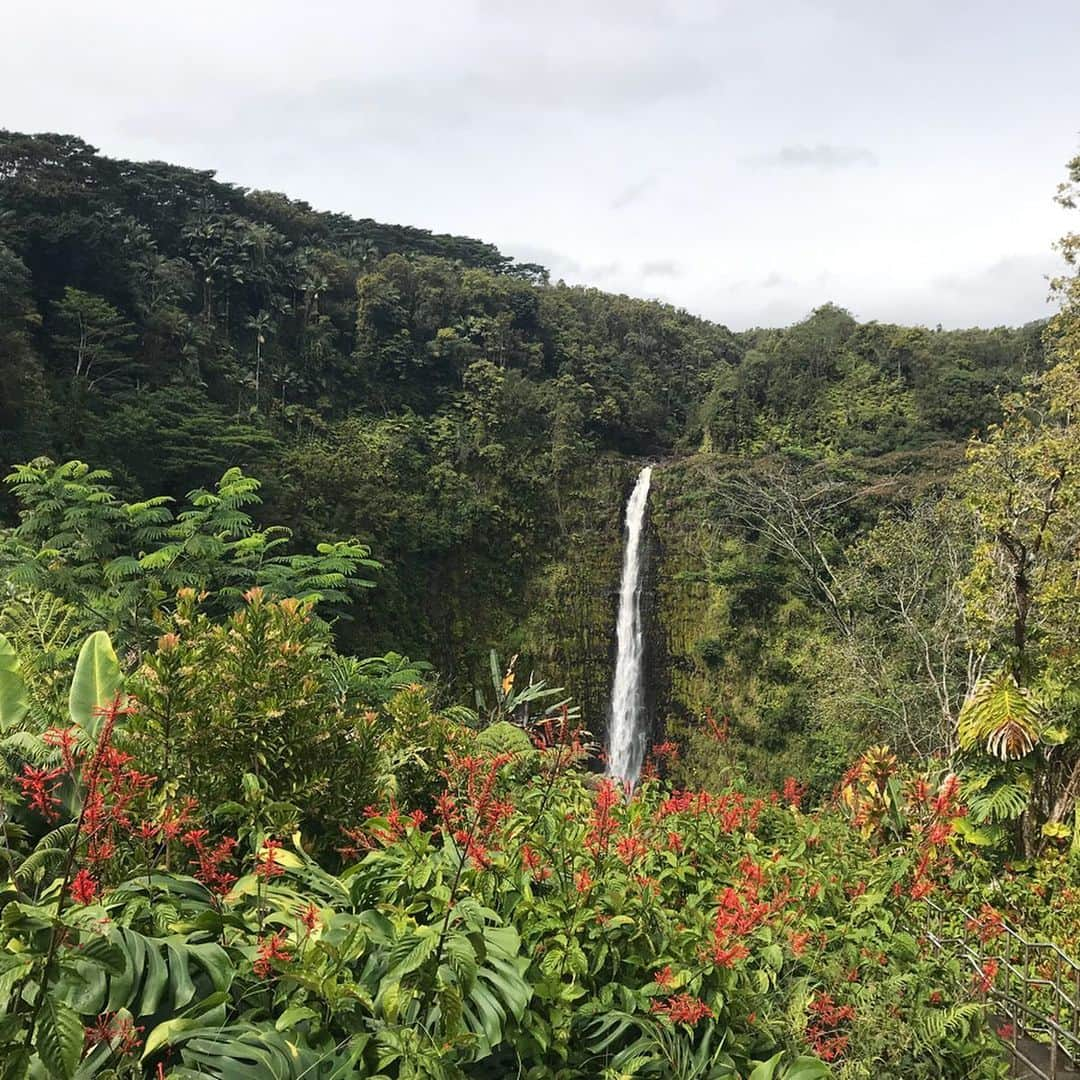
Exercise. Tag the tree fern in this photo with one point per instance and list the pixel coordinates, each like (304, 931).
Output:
(936, 1025)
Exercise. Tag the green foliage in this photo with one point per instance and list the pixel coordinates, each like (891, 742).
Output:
(513, 702)
(117, 562)
(995, 798)
(97, 680)
(451, 409)
(1007, 716)
(502, 737)
(541, 923)
(93, 337)
(256, 695)
(13, 700)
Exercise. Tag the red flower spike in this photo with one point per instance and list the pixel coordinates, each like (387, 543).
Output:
(268, 866)
(683, 1009)
(271, 950)
(39, 787)
(84, 888)
(310, 916)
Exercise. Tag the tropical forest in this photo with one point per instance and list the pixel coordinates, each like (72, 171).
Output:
(413, 667)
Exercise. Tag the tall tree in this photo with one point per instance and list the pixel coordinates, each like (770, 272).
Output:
(93, 336)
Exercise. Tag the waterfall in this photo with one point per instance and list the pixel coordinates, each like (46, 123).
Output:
(626, 722)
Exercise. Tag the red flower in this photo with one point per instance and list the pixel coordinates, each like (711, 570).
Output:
(173, 821)
(602, 823)
(988, 924)
(664, 976)
(83, 887)
(583, 882)
(209, 860)
(921, 888)
(268, 866)
(729, 956)
(271, 950)
(823, 1030)
(939, 833)
(793, 792)
(360, 844)
(40, 786)
(446, 808)
(682, 1009)
(983, 980)
(630, 848)
(119, 1031)
(474, 848)
(667, 749)
(944, 805)
(146, 831)
(310, 916)
(100, 852)
(799, 942)
(64, 739)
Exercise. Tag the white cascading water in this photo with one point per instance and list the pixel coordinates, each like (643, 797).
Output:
(626, 722)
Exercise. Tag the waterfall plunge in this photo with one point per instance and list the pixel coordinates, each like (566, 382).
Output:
(626, 723)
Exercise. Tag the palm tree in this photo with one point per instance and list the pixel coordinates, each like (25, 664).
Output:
(263, 327)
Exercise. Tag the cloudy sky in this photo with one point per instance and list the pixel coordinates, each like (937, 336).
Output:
(747, 161)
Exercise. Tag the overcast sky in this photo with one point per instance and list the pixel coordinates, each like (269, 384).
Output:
(747, 161)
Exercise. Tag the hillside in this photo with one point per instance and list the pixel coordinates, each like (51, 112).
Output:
(473, 424)
(309, 565)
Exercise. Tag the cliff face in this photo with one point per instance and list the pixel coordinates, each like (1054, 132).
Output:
(569, 634)
(572, 600)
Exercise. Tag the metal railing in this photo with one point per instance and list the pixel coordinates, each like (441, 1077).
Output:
(1035, 988)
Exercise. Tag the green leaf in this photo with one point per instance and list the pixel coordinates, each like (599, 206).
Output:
(207, 1014)
(59, 1038)
(773, 956)
(972, 835)
(13, 700)
(410, 952)
(97, 681)
(461, 958)
(182, 985)
(293, 1015)
(766, 1070)
(1000, 801)
(1008, 716)
(807, 1068)
(104, 954)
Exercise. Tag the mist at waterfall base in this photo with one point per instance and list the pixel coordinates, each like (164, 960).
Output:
(626, 722)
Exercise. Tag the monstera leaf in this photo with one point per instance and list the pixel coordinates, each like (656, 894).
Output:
(251, 1051)
(480, 980)
(150, 974)
(1004, 715)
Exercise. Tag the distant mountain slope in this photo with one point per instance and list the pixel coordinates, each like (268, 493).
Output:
(472, 422)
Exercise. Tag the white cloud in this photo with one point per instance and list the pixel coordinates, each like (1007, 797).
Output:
(615, 133)
(821, 156)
